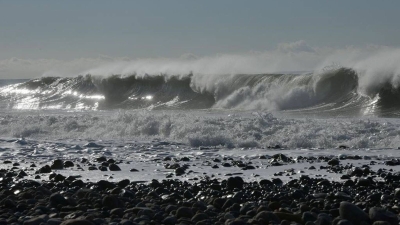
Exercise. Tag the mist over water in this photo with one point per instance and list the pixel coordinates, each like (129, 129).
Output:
(294, 78)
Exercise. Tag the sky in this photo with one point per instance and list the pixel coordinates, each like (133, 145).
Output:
(43, 36)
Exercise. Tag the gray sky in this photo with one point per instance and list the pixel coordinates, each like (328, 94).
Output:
(41, 36)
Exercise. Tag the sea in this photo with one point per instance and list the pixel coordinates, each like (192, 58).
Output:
(314, 110)
(139, 120)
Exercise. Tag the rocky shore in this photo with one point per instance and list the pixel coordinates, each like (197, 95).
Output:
(363, 196)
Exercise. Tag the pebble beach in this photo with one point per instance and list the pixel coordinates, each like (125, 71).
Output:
(160, 182)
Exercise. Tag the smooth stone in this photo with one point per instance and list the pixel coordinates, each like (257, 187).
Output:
(58, 199)
(170, 220)
(77, 222)
(289, 217)
(112, 202)
(184, 212)
(381, 223)
(379, 214)
(267, 217)
(344, 222)
(58, 164)
(353, 213)
(54, 221)
(308, 216)
(114, 167)
(234, 182)
(92, 145)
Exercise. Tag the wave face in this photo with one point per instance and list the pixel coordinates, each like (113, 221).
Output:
(336, 91)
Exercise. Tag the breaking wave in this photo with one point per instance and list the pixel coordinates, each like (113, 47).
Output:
(332, 90)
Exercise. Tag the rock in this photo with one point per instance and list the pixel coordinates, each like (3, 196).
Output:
(323, 219)
(179, 171)
(45, 169)
(114, 167)
(34, 221)
(92, 145)
(58, 199)
(234, 182)
(57, 164)
(362, 182)
(267, 217)
(397, 192)
(77, 222)
(68, 164)
(170, 220)
(22, 174)
(308, 216)
(112, 202)
(123, 183)
(289, 217)
(344, 222)
(334, 162)
(381, 223)
(103, 168)
(77, 183)
(54, 221)
(117, 212)
(184, 212)
(353, 213)
(58, 177)
(281, 157)
(199, 217)
(379, 214)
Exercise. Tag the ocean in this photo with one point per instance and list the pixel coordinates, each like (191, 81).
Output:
(141, 119)
(328, 109)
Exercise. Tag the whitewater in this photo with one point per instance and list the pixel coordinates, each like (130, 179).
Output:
(202, 108)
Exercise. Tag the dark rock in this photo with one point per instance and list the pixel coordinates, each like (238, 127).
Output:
(265, 182)
(58, 199)
(103, 168)
(54, 221)
(353, 213)
(344, 222)
(22, 174)
(92, 145)
(234, 182)
(77, 222)
(184, 212)
(123, 183)
(397, 192)
(57, 164)
(117, 212)
(45, 169)
(179, 171)
(199, 217)
(323, 219)
(68, 164)
(363, 182)
(170, 220)
(112, 201)
(77, 183)
(114, 167)
(289, 217)
(334, 162)
(381, 223)
(58, 178)
(185, 159)
(308, 216)
(35, 221)
(379, 214)
(267, 217)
